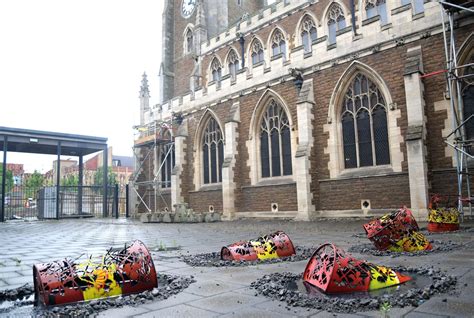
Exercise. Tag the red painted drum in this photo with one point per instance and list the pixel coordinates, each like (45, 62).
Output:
(120, 271)
(442, 216)
(332, 270)
(397, 231)
(274, 245)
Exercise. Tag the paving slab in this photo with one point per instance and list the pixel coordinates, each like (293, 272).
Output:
(183, 311)
(281, 308)
(454, 307)
(256, 313)
(174, 300)
(126, 311)
(227, 302)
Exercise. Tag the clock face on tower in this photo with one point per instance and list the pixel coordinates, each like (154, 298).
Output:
(187, 8)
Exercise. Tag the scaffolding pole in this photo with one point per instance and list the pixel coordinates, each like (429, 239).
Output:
(157, 138)
(461, 144)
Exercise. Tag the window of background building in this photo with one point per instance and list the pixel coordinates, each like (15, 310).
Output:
(257, 52)
(212, 152)
(189, 41)
(278, 44)
(234, 63)
(364, 125)
(275, 142)
(308, 33)
(376, 7)
(336, 22)
(417, 5)
(216, 70)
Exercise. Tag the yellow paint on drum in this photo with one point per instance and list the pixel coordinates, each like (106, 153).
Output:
(441, 215)
(415, 242)
(381, 277)
(98, 289)
(266, 250)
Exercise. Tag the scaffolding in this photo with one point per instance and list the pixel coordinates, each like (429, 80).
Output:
(458, 77)
(153, 148)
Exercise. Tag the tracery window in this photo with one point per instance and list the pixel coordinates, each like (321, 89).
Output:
(376, 7)
(256, 52)
(212, 152)
(234, 63)
(417, 5)
(364, 125)
(278, 44)
(308, 33)
(189, 41)
(167, 160)
(275, 142)
(216, 70)
(336, 21)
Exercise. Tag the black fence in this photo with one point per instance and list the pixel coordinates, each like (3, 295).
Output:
(73, 202)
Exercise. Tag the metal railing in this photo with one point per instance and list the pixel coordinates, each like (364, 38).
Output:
(74, 202)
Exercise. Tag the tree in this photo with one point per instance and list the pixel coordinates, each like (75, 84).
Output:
(99, 177)
(70, 181)
(9, 179)
(33, 183)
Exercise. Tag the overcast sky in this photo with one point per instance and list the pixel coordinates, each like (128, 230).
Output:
(75, 66)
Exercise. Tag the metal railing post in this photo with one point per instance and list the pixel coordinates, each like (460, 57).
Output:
(4, 177)
(116, 200)
(127, 198)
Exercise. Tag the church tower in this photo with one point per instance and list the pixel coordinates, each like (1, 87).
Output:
(187, 24)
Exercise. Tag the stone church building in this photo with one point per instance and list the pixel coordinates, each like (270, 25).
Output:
(300, 109)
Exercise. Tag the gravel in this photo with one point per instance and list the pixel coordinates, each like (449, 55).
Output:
(214, 259)
(17, 293)
(438, 247)
(275, 287)
(168, 285)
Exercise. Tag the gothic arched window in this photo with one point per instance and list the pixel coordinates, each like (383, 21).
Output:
(278, 44)
(189, 41)
(234, 63)
(256, 51)
(275, 142)
(336, 21)
(167, 161)
(376, 7)
(216, 70)
(212, 152)
(308, 33)
(417, 5)
(364, 125)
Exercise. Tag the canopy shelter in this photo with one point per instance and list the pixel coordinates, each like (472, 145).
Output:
(51, 143)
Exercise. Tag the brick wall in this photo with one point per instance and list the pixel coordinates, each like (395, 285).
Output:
(383, 192)
(260, 198)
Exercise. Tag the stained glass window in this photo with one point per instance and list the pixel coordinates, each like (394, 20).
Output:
(212, 152)
(275, 142)
(364, 125)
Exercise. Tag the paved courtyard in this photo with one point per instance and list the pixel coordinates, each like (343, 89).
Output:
(223, 291)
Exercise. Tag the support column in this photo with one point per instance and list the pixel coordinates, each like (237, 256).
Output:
(230, 152)
(80, 184)
(416, 133)
(4, 177)
(105, 170)
(177, 173)
(302, 166)
(58, 178)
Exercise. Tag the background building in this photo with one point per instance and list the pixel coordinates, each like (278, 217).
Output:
(301, 108)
